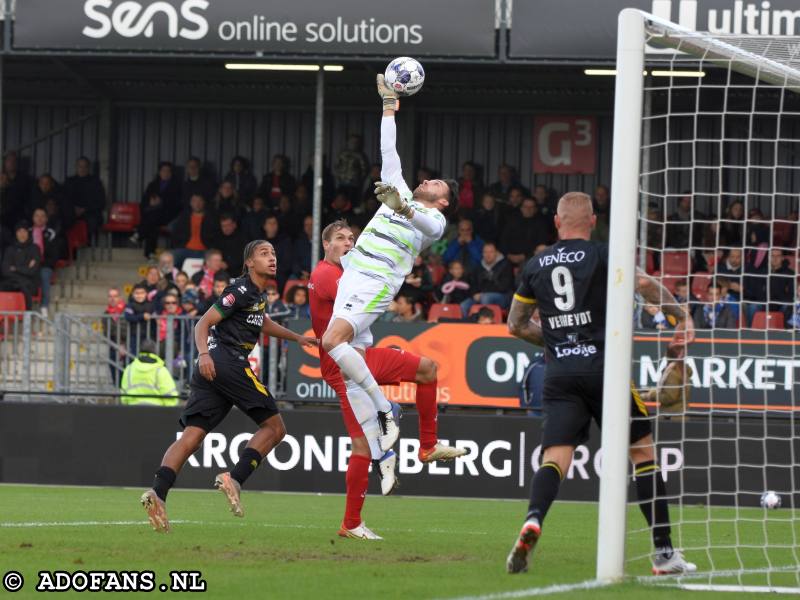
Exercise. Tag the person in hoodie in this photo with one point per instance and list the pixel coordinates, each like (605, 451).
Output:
(196, 182)
(86, 194)
(51, 248)
(21, 265)
(231, 242)
(278, 181)
(492, 280)
(253, 220)
(148, 375)
(139, 315)
(283, 249)
(159, 205)
(243, 180)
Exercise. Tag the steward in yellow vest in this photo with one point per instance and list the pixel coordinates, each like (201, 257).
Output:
(145, 376)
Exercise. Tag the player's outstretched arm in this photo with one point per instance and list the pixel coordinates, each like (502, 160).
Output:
(520, 324)
(431, 225)
(272, 329)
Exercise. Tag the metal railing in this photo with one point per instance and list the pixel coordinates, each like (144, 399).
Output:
(82, 356)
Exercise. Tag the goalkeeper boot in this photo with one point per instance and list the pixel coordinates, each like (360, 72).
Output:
(667, 561)
(517, 561)
(440, 452)
(386, 468)
(232, 490)
(390, 430)
(156, 511)
(362, 532)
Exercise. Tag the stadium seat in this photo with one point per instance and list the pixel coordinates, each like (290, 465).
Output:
(124, 217)
(437, 273)
(782, 234)
(650, 264)
(671, 281)
(767, 320)
(77, 237)
(10, 302)
(496, 311)
(448, 311)
(289, 285)
(701, 281)
(675, 262)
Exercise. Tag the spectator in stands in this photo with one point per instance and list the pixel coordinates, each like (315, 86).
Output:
(227, 201)
(21, 265)
(601, 201)
(166, 266)
(283, 249)
(287, 217)
(278, 181)
(298, 307)
(546, 200)
(139, 313)
(181, 281)
(512, 206)
(253, 221)
(486, 316)
(195, 231)
(521, 235)
(418, 283)
(456, 285)
(492, 281)
(86, 194)
(301, 250)
(351, 167)
(465, 247)
(46, 187)
(470, 187)
(757, 229)
(793, 322)
(731, 270)
(115, 331)
(231, 243)
(501, 188)
(147, 381)
(328, 180)
(190, 301)
(159, 205)
(301, 204)
(654, 318)
(655, 230)
(405, 311)
(340, 209)
(488, 219)
(684, 296)
(781, 283)
(243, 180)
(196, 182)
(204, 278)
(221, 281)
(731, 227)
(15, 191)
(716, 313)
(170, 306)
(58, 220)
(51, 249)
(276, 309)
(685, 225)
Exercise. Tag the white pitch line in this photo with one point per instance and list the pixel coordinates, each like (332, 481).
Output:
(540, 591)
(756, 589)
(83, 523)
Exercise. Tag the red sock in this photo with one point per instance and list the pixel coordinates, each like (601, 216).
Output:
(357, 480)
(428, 411)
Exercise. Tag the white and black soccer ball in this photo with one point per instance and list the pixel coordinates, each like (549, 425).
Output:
(405, 76)
(770, 500)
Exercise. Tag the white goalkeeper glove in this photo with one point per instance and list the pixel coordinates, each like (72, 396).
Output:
(387, 94)
(388, 195)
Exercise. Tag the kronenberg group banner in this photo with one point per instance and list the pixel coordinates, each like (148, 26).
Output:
(482, 365)
(416, 27)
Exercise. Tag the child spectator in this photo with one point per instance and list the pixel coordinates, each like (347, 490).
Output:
(138, 313)
(486, 316)
(455, 285)
(298, 307)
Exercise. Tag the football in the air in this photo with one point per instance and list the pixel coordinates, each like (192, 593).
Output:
(770, 500)
(405, 76)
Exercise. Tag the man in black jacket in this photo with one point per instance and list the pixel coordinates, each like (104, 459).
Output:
(492, 281)
(85, 192)
(231, 243)
(51, 247)
(21, 263)
(522, 234)
(196, 183)
(15, 189)
(781, 283)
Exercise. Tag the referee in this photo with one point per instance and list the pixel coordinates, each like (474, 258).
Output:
(225, 336)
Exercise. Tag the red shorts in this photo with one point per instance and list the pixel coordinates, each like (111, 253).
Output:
(388, 366)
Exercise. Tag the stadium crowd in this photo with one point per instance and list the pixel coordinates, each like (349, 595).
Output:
(727, 268)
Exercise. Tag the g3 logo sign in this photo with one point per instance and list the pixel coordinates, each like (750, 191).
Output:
(130, 19)
(565, 145)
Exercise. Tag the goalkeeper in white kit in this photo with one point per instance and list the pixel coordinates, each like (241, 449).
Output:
(406, 224)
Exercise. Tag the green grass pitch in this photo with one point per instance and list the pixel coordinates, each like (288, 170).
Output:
(287, 547)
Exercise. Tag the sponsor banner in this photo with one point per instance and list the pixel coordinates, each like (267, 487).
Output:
(482, 365)
(413, 27)
(565, 145)
(38, 445)
(584, 29)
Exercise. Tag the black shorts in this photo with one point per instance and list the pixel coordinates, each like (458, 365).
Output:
(570, 404)
(234, 385)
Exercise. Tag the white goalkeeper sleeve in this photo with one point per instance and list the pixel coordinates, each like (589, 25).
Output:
(391, 170)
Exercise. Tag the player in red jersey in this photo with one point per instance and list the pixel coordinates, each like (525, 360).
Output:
(388, 366)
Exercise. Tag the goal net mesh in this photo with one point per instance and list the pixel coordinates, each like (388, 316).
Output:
(720, 193)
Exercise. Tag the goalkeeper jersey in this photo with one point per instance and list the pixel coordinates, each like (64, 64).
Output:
(568, 283)
(388, 245)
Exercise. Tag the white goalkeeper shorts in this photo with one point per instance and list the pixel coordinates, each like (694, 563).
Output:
(360, 301)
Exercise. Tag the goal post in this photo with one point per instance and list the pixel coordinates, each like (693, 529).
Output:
(728, 131)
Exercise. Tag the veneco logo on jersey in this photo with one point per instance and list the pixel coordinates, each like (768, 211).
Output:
(562, 256)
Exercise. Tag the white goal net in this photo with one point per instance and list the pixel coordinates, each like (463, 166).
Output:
(717, 194)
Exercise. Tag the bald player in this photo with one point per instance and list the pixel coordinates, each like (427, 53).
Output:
(567, 282)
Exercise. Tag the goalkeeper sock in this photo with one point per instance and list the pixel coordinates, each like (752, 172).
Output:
(354, 367)
(544, 489)
(165, 479)
(652, 501)
(427, 409)
(248, 462)
(357, 481)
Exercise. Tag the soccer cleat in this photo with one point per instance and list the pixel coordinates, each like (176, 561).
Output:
(440, 452)
(517, 561)
(362, 532)
(386, 470)
(232, 490)
(390, 430)
(156, 511)
(667, 561)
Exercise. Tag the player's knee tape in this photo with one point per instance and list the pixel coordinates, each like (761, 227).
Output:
(363, 409)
